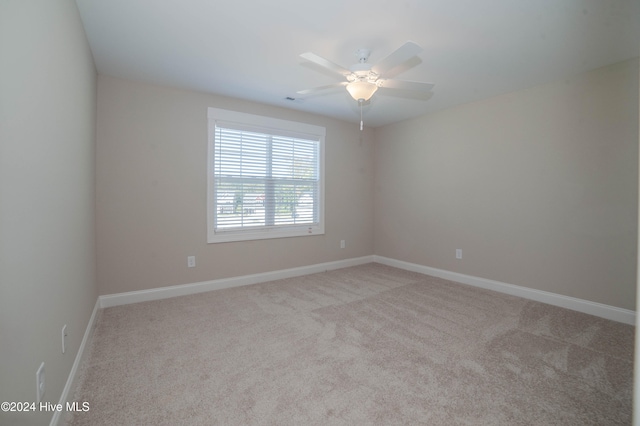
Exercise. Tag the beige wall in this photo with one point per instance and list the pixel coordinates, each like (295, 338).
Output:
(636, 370)
(151, 192)
(539, 187)
(47, 150)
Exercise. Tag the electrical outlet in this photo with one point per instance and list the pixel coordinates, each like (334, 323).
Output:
(40, 383)
(458, 253)
(64, 337)
(191, 261)
(342, 244)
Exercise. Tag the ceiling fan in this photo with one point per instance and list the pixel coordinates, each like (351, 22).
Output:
(364, 79)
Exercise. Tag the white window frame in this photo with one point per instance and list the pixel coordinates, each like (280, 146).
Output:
(266, 125)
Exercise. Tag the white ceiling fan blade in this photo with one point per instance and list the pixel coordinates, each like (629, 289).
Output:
(407, 94)
(321, 88)
(400, 55)
(325, 63)
(405, 66)
(414, 86)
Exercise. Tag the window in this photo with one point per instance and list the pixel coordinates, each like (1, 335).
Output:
(265, 177)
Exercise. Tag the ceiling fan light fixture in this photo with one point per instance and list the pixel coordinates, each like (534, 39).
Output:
(361, 90)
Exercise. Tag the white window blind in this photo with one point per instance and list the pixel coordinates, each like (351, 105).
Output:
(265, 181)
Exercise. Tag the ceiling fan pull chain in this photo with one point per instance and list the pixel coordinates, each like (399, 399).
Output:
(360, 102)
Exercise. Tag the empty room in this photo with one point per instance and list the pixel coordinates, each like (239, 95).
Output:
(318, 213)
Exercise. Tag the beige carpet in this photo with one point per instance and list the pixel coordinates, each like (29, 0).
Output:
(358, 346)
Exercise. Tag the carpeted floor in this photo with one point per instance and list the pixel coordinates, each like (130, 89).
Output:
(357, 346)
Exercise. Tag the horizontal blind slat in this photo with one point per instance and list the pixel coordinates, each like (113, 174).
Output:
(247, 163)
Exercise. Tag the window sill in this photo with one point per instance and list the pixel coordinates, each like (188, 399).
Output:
(263, 234)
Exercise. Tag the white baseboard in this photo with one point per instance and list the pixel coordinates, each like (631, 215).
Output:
(71, 380)
(592, 308)
(200, 287)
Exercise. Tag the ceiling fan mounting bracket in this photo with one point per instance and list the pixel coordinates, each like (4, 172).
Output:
(363, 55)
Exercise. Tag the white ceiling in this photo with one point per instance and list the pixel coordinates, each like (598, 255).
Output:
(250, 49)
